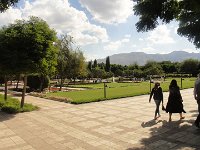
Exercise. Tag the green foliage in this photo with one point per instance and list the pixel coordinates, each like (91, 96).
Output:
(12, 105)
(35, 82)
(5, 4)
(186, 12)
(98, 73)
(29, 46)
(169, 67)
(71, 62)
(190, 66)
(152, 68)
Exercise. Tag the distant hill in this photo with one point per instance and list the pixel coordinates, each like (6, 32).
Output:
(141, 58)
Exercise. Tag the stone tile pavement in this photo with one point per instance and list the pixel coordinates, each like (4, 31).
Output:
(120, 124)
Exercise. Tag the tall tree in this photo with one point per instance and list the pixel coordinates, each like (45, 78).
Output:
(5, 4)
(71, 62)
(186, 12)
(90, 65)
(78, 65)
(95, 63)
(26, 47)
(64, 55)
(107, 64)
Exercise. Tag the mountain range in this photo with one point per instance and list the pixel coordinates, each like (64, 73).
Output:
(141, 58)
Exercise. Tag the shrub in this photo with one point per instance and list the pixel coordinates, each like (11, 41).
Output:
(34, 82)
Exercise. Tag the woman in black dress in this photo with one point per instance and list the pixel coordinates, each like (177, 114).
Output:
(174, 104)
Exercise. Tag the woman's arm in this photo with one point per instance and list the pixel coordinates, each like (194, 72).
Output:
(152, 91)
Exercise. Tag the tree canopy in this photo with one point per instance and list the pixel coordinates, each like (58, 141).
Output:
(186, 12)
(5, 4)
(26, 47)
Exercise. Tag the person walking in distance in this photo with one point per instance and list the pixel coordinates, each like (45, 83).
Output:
(174, 104)
(197, 97)
(158, 97)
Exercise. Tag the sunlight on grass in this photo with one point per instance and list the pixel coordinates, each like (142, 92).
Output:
(115, 90)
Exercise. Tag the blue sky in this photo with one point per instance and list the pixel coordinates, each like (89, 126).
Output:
(100, 28)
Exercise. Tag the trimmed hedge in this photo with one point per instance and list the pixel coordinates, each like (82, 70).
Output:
(34, 82)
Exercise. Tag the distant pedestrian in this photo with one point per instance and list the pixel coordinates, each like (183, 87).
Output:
(158, 97)
(174, 104)
(197, 97)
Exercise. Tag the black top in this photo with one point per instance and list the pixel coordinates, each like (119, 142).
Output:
(157, 94)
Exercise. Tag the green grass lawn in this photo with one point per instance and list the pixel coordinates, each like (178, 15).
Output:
(12, 105)
(115, 90)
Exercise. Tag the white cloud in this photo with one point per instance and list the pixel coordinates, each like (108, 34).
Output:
(126, 40)
(114, 46)
(127, 36)
(161, 35)
(149, 50)
(134, 45)
(109, 11)
(9, 16)
(90, 57)
(60, 16)
(140, 39)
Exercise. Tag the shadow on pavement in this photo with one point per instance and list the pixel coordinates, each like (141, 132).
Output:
(164, 135)
(5, 116)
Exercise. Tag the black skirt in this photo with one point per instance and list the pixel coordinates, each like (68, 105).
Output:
(174, 106)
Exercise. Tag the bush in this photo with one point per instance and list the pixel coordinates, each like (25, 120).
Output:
(34, 82)
(12, 105)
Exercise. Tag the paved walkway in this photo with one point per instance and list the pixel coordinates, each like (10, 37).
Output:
(121, 124)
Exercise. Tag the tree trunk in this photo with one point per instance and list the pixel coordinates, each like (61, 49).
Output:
(6, 87)
(24, 91)
(17, 83)
(61, 83)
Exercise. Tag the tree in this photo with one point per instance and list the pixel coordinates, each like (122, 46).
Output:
(78, 65)
(107, 64)
(90, 65)
(190, 66)
(186, 12)
(169, 67)
(71, 62)
(5, 4)
(152, 68)
(26, 47)
(64, 55)
(98, 73)
(95, 63)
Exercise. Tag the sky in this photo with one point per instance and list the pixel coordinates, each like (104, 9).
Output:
(100, 28)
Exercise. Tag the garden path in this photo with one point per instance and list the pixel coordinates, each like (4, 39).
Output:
(120, 124)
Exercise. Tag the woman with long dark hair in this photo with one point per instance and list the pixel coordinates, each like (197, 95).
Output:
(158, 97)
(174, 104)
